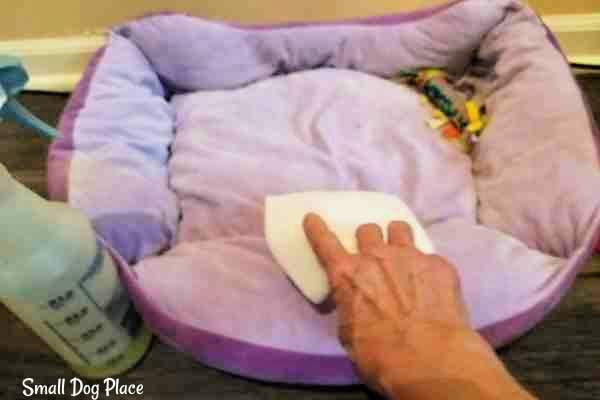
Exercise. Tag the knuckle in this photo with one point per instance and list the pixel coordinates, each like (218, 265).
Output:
(340, 275)
(437, 260)
(380, 252)
(444, 268)
(371, 260)
(451, 276)
(324, 250)
(320, 248)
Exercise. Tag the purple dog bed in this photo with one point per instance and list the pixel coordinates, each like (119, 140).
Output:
(181, 127)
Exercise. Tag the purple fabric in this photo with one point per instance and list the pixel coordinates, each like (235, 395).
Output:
(195, 223)
(104, 171)
(231, 355)
(212, 55)
(594, 126)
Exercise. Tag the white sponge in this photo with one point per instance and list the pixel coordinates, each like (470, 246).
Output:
(344, 212)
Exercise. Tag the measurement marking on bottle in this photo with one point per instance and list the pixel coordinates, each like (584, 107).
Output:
(67, 343)
(91, 333)
(93, 270)
(59, 302)
(96, 333)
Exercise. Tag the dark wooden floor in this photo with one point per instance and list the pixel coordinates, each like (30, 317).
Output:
(560, 359)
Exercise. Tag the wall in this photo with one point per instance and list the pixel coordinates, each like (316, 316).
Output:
(20, 19)
(55, 39)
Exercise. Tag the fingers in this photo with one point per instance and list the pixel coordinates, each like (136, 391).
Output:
(400, 234)
(324, 243)
(369, 236)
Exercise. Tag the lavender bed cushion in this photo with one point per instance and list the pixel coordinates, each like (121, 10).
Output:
(182, 126)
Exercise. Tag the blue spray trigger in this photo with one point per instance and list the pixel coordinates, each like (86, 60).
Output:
(13, 76)
(13, 79)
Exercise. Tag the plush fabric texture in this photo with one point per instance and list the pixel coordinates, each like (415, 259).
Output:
(182, 126)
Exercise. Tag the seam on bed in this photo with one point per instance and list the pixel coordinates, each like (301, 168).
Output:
(58, 181)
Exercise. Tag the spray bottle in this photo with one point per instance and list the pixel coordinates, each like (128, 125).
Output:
(59, 280)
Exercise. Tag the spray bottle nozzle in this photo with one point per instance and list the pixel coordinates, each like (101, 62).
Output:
(13, 78)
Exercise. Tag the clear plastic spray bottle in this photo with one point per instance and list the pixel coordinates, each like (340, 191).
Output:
(58, 279)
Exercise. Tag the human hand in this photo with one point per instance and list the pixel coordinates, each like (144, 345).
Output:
(401, 314)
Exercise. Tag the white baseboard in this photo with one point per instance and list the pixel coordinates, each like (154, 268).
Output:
(578, 34)
(54, 64)
(57, 64)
